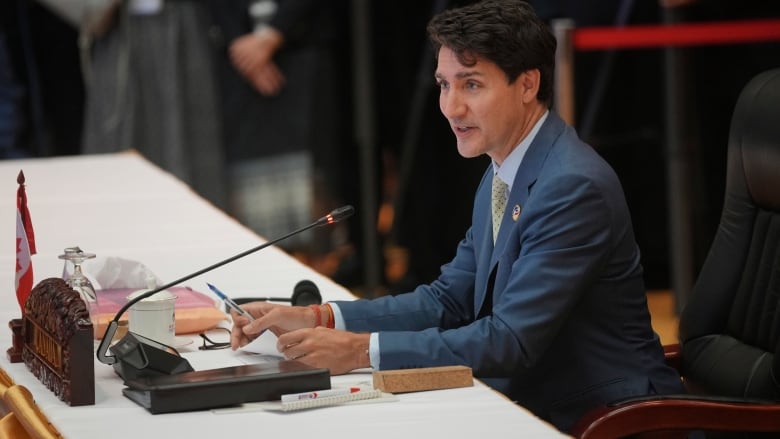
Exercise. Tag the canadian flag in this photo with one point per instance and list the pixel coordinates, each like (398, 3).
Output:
(25, 245)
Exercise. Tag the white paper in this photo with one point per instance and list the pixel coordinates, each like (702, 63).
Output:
(219, 358)
(264, 344)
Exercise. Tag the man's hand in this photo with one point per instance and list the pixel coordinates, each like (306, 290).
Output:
(278, 319)
(252, 55)
(267, 80)
(339, 351)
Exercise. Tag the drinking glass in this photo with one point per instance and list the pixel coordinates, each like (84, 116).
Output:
(80, 283)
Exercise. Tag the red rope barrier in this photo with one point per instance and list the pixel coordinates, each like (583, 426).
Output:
(690, 34)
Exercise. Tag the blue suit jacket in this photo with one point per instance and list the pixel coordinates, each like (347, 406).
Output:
(555, 316)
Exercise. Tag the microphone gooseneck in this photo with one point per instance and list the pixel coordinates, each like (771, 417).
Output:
(334, 216)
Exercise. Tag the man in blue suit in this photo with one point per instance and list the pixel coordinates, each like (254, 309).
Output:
(551, 311)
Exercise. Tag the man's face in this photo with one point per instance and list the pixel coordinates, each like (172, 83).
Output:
(486, 113)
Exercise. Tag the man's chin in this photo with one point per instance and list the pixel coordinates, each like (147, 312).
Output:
(468, 151)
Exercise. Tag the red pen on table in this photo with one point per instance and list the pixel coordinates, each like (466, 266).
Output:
(317, 394)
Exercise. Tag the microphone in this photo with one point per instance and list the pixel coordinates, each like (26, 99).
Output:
(136, 356)
(306, 293)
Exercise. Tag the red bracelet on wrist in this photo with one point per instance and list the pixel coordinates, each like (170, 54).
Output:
(331, 317)
(317, 315)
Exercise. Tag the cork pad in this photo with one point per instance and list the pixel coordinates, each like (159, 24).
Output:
(428, 378)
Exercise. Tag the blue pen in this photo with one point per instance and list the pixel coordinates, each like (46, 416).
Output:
(230, 302)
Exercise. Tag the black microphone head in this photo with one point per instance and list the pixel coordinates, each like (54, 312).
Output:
(306, 293)
(337, 215)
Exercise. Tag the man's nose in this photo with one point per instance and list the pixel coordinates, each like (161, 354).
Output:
(451, 105)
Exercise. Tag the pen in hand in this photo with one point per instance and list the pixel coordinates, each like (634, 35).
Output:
(229, 302)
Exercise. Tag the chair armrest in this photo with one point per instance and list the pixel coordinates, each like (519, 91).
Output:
(679, 413)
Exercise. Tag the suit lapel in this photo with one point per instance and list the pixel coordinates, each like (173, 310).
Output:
(483, 238)
(525, 178)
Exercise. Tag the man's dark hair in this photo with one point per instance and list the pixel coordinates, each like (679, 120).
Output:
(505, 32)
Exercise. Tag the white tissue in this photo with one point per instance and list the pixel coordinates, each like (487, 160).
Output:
(113, 272)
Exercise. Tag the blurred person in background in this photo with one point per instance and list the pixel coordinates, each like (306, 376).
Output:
(41, 89)
(150, 86)
(283, 76)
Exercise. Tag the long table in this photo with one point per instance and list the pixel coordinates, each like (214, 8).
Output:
(122, 205)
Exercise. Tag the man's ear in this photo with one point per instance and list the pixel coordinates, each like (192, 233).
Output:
(529, 83)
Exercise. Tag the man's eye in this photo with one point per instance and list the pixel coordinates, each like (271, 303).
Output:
(442, 85)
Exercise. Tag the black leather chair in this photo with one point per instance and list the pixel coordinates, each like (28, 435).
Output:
(729, 351)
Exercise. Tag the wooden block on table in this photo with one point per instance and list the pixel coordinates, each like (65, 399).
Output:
(428, 378)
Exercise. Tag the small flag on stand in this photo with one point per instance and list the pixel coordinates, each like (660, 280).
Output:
(25, 245)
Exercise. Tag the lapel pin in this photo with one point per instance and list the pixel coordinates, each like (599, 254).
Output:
(516, 212)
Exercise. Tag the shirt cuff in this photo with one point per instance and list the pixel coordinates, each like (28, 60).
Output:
(338, 319)
(373, 350)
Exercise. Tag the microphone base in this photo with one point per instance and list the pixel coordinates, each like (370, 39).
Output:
(140, 357)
